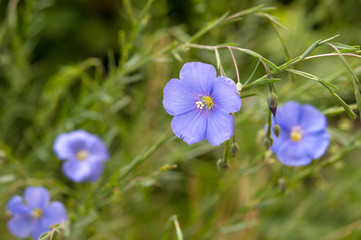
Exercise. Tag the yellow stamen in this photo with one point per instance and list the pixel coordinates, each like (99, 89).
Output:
(200, 104)
(37, 213)
(296, 134)
(82, 154)
(206, 101)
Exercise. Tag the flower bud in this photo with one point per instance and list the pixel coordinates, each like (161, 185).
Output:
(276, 130)
(239, 87)
(267, 143)
(272, 103)
(222, 165)
(234, 149)
(282, 184)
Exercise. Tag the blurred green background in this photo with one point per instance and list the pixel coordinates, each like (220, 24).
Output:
(101, 66)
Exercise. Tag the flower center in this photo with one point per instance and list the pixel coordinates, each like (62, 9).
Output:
(296, 134)
(37, 213)
(205, 102)
(82, 155)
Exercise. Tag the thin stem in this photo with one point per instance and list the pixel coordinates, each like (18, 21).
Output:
(235, 63)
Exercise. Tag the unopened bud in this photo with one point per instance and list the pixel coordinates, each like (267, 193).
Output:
(277, 130)
(267, 143)
(282, 184)
(239, 87)
(272, 103)
(234, 149)
(222, 165)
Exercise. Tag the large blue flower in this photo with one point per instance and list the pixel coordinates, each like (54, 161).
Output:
(303, 134)
(35, 215)
(84, 155)
(201, 104)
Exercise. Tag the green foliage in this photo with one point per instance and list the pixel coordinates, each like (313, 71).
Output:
(101, 66)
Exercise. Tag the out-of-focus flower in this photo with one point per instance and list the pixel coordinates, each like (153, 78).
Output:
(84, 155)
(303, 136)
(201, 104)
(34, 214)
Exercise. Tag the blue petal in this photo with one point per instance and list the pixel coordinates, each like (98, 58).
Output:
(198, 76)
(67, 145)
(36, 197)
(316, 144)
(178, 99)
(76, 170)
(312, 120)
(97, 149)
(220, 127)
(16, 206)
(191, 126)
(54, 213)
(61, 147)
(96, 171)
(39, 229)
(288, 115)
(293, 154)
(225, 95)
(21, 226)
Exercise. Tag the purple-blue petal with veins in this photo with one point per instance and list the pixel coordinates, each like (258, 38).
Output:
(178, 99)
(67, 145)
(78, 171)
(16, 206)
(293, 154)
(36, 197)
(224, 95)
(220, 127)
(316, 144)
(97, 149)
(288, 116)
(21, 225)
(191, 127)
(54, 213)
(39, 229)
(198, 76)
(312, 120)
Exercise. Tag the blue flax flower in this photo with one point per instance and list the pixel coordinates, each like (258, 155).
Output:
(303, 134)
(35, 214)
(201, 104)
(84, 155)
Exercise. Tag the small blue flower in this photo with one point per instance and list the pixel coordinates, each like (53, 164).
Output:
(303, 134)
(84, 155)
(201, 104)
(35, 215)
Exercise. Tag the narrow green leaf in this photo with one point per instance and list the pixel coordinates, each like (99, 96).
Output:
(265, 81)
(346, 48)
(208, 27)
(327, 85)
(310, 49)
(273, 20)
(329, 39)
(311, 77)
(256, 55)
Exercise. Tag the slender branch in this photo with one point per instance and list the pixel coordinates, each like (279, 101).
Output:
(235, 63)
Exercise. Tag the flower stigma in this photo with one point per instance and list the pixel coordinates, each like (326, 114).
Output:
(37, 213)
(82, 155)
(296, 134)
(206, 102)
